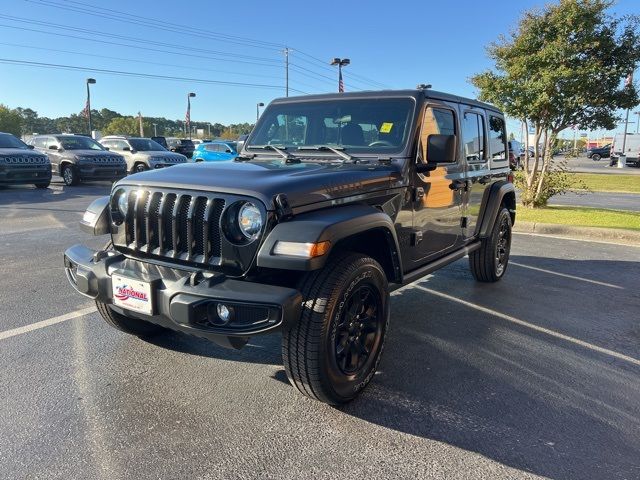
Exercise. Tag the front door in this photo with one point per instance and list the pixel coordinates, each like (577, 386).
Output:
(438, 193)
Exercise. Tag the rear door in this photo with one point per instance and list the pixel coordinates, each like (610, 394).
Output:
(478, 170)
(437, 196)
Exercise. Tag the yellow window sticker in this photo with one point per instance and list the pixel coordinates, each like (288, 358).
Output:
(386, 127)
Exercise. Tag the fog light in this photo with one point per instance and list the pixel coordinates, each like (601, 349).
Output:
(224, 312)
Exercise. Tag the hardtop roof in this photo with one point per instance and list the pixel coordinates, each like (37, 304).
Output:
(418, 94)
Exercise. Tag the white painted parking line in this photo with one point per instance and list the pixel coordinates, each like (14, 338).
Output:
(46, 323)
(573, 277)
(531, 326)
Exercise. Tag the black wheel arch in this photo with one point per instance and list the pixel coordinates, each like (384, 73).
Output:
(500, 193)
(356, 228)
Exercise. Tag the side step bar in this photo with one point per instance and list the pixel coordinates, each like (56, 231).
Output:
(418, 273)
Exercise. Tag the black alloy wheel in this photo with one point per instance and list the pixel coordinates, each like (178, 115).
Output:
(359, 331)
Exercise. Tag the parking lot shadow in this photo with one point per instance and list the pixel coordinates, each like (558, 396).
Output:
(26, 197)
(528, 399)
(261, 350)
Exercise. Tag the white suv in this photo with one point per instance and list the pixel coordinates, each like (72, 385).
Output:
(142, 153)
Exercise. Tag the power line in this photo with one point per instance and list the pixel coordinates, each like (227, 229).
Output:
(11, 61)
(189, 30)
(154, 23)
(146, 49)
(138, 40)
(162, 64)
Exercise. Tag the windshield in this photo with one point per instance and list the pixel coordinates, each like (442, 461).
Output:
(358, 125)
(78, 142)
(9, 141)
(145, 145)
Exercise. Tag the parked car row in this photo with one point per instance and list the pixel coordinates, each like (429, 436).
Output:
(79, 158)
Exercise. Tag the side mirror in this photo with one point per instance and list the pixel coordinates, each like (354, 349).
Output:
(106, 148)
(126, 149)
(30, 147)
(441, 149)
(228, 150)
(53, 147)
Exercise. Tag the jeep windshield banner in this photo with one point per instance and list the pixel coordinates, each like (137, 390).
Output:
(355, 125)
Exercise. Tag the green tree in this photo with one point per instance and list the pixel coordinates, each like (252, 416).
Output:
(10, 121)
(564, 65)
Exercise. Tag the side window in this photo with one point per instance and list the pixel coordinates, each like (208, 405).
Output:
(107, 144)
(437, 121)
(473, 137)
(39, 142)
(497, 138)
(48, 141)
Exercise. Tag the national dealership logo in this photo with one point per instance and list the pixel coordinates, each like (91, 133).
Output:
(125, 292)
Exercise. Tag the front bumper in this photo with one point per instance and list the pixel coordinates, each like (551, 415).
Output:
(24, 174)
(92, 172)
(186, 301)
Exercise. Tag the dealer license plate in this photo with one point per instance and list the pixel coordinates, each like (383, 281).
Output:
(132, 294)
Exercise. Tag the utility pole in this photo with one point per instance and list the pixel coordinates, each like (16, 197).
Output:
(624, 137)
(638, 120)
(155, 129)
(90, 81)
(209, 129)
(286, 70)
(140, 123)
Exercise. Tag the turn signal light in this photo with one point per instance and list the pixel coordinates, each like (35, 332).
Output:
(303, 250)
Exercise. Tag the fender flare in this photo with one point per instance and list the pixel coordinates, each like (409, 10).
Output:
(334, 225)
(491, 206)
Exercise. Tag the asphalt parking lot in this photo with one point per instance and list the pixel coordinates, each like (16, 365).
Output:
(537, 376)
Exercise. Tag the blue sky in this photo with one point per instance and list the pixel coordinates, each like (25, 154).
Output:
(398, 44)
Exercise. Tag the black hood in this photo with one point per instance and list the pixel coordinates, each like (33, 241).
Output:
(303, 183)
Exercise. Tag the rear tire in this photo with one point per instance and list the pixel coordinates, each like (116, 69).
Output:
(132, 326)
(197, 160)
(70, 175)
(43, 185)
(596, 157)
(489, 262)
(334, 349)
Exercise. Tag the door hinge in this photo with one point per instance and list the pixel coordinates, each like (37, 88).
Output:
(416, 238)
(418, 193)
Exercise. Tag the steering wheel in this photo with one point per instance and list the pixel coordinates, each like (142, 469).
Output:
(381, 143)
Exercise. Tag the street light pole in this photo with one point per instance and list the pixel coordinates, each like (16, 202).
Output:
(188, 117)
(340, 62)
(638, 121)
(258, 105)
(155, 129)
(209, 129)
(89, 81)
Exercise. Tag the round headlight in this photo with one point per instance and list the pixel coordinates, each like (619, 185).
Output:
(250, 220)
(122, 202)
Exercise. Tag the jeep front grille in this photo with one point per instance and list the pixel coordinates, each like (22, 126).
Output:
(177, 226)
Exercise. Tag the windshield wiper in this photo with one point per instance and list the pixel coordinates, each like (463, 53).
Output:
(320, 148)
(279, 150)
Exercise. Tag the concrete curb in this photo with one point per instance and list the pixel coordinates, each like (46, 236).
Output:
(615, 235)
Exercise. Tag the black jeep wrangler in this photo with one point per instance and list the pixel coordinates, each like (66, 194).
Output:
(334, 201)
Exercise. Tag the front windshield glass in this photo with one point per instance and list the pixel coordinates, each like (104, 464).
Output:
(9, 141)
(78, 142)
(145, 145)
(357, 125)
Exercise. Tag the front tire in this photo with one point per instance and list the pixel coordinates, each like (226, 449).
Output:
(132, 326)
(489, 262)
(334, 349)
(70, 175)
(43, 185)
